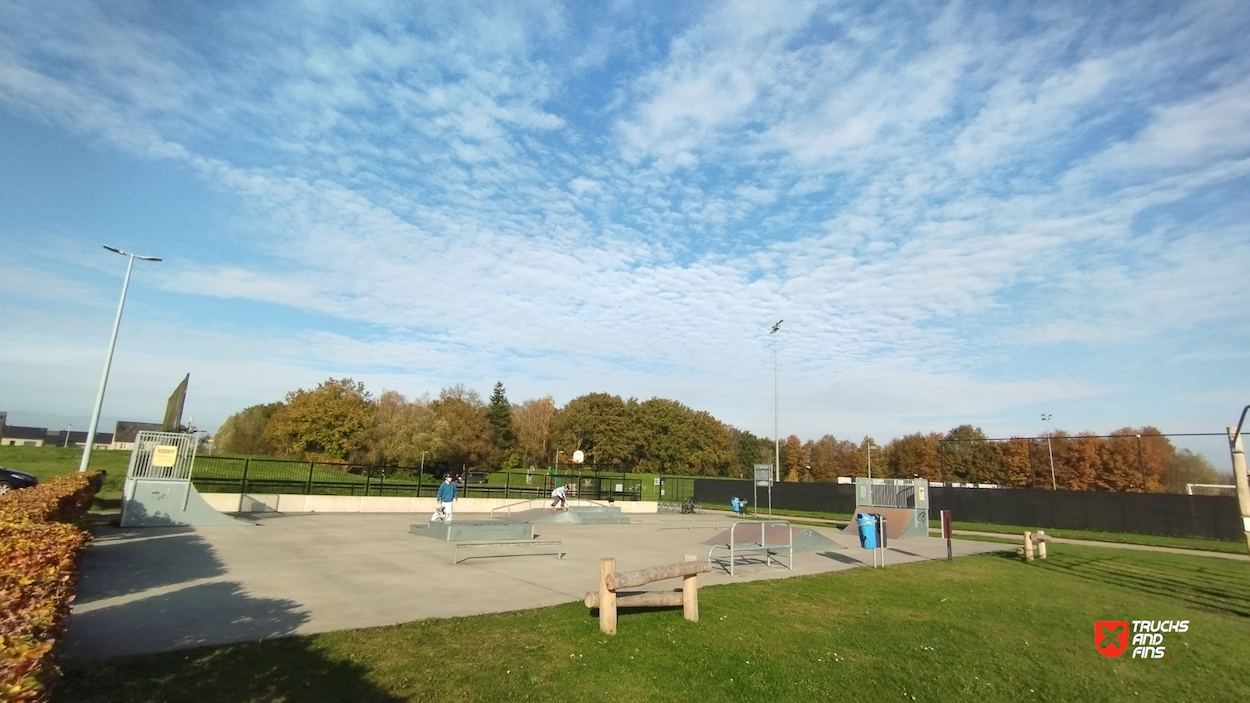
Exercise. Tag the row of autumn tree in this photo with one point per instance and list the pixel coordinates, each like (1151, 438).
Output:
(341, 421)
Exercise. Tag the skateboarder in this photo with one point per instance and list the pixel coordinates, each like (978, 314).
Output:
(446, 496)
(557, 496)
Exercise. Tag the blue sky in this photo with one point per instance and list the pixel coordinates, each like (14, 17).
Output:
(964, 213)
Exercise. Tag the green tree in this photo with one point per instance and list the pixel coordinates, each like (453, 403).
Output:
(1185, 468)
(402, 430)
(329, 422)
(244, 431)
(531, 422)
(748, 450)
(1078, 461)
(673, 439)
(463, 436)
(916, 455)
(1012, 465)
(500, 414)
(598, 424)
(967, 456)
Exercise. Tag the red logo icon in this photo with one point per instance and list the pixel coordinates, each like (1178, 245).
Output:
(1111, 637)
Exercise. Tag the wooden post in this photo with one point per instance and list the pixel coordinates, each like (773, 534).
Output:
(1028, 547)
(690, 593)
(1041, 544)
(629, 579)
(607, 598)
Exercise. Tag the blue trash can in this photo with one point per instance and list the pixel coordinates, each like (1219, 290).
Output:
(867, 525)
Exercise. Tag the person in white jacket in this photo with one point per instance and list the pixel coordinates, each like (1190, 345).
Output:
(557, 496)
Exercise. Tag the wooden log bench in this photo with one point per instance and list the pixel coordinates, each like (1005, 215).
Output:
(607, 600)
(1032, 540)
(511, 543)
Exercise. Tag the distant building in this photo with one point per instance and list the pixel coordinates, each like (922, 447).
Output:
(125, 432)
(15, 436)
(123, 436)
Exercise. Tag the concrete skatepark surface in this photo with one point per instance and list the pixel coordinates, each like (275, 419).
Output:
(147, 590)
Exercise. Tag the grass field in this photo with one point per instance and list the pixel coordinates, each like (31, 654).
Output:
(985, 628)
(47, 463)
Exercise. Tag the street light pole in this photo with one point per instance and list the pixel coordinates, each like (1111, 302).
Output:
(1237, 449)
(869, 449)
(776, 424)
(1053, 485)
(108, 359)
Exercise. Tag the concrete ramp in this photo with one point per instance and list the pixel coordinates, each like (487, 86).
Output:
(465, 531)
(805, 540)
(578, 514)
(164, 503)
(900, 523)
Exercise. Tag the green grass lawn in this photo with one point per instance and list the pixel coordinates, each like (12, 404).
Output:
(1213, 545)
(46, 463)
(985, 628)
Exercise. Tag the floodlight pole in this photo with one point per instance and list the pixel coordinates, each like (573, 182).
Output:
(1053, 485)
(108, 359)
(776, 406)
(1237, 449)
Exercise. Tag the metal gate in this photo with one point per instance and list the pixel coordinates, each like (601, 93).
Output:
(158, 490)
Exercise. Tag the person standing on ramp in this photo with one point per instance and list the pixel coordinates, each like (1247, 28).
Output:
(446, 496)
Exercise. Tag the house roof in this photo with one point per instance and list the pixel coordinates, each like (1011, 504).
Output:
(19, 432)
(126, 431)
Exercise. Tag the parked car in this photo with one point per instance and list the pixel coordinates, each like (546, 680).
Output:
(11, 479)
(473, 477)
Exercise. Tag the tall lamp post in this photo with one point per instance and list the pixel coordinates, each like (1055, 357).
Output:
(776, 437)
(1054, 486)
(869, 449)
(108, 359)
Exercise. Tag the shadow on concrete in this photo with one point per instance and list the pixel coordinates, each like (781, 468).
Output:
(127, 561)
(838, 557)
(290, 669)
(210, 613)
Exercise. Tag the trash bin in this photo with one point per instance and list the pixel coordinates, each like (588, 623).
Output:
(880, 530)
(867, 525)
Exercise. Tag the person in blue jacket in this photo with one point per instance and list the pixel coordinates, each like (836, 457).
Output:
(446, 496)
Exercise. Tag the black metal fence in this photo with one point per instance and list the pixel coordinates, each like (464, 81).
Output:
(255, 475)
(1211, 517)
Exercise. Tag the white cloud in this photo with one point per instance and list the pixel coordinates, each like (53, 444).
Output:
(920, 193)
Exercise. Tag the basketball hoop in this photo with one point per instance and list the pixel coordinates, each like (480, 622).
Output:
(578, 457)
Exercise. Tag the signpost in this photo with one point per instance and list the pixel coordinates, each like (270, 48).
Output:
(946, 532)
(764, 477)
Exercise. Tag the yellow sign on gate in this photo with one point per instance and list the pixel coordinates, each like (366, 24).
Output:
(165, 456)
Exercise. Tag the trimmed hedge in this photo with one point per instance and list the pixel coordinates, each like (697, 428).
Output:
(41, 546)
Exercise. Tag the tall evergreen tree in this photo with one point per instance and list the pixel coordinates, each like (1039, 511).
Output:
(500, 413)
